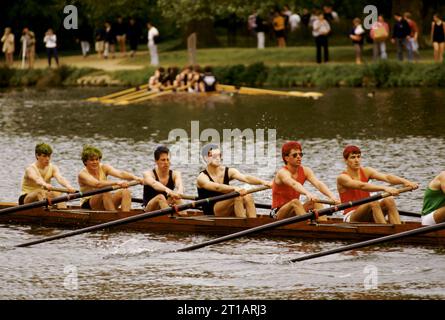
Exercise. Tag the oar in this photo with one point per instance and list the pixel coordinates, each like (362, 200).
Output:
(68, 197)
(182, 196)
(402, 213)
(143, 216)
(310, 215)
(119, 93)
(366, 243)
(143, 98)
(63, 190)
(129, 96)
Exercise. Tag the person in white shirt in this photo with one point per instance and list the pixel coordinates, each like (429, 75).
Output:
(153, 33)
(294, 21)
(357, 35)
(320, 31)
(50, 41)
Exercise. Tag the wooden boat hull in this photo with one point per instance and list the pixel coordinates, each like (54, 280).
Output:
(195, 222)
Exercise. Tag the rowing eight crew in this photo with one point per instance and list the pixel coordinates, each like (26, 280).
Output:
(190, 79)
(163, 187)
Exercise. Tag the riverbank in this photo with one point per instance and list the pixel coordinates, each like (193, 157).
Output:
(272, 67)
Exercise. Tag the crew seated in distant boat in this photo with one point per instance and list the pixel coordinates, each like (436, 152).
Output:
(207, 82)
(170, 78)
(194, 78)
(156, 81)
(352, 185)
(214, 180)
(288, 183)
(94, 176)
(162, 186)
(433, 210)
(182, 79)
(38, 176)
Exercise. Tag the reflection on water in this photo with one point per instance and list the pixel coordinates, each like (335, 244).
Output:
(400, 131)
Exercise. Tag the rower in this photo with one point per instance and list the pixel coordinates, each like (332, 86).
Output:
(208, 81)
(214, 180)
(433, 210)
(38, 176)
(352, 185)
(288, 183)
(194, 78)
(170, 78)
(161, 182)
(155, 82)
(94, 176)
(182, 79)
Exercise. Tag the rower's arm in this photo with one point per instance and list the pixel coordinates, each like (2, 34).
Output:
(235, 174)
(390, 178)
(31, 173)
(177, 178)
(205, 183)
(347, 182)
(318, 184)
(61, 179)
(442, 181)
(120, 173)
(149, 180)
(90, 181)
(285, 177)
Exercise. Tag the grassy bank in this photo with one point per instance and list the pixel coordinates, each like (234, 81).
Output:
(272, 67)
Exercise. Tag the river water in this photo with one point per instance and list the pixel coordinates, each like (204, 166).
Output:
(399, 130)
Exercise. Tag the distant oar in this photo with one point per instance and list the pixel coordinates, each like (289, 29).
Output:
(311, 215)
(119, 93)
(142, 216)
(64, 198)
(367, 243)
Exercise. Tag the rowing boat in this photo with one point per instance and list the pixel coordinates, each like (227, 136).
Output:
(195, 222)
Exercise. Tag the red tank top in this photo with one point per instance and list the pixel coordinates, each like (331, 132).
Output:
(282, 193)
(354, 194)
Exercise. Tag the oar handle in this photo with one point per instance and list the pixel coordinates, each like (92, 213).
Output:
(57, 189)
(130, 184)
(401, 190)
(330, 202)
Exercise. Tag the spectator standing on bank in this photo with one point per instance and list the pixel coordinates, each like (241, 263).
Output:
(357, 35)
(413, 36)
(133, 34)
(379, 33)
(251, 22)
(438, 37)
(400, 35)
(320, 31)
(100, 41)
(28, 41)
(8, 46)
(294, 21)
(50, 41)
(152, 36)
(261, 29)
(279, 24)
(110, 41)
(120, 30)
(84, 37)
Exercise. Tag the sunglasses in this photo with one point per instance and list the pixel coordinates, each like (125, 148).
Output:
(294, 155)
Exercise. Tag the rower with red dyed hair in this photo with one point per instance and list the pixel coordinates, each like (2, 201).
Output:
(352, 184)
(288, 183)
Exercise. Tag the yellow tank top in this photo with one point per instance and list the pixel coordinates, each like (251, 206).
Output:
(29, 185)
(85, 188)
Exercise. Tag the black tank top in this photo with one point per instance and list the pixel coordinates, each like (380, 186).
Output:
(209, 81)
(204, 193)
(438, 33)
(150, 192)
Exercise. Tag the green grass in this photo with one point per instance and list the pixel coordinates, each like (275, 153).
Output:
(270, 56)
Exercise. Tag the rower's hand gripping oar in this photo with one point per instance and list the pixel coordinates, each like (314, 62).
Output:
(57, 189)
(145, 215)
(64, 198)
(313, 214)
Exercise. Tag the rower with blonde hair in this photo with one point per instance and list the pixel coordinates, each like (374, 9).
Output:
(94, 176)
(36, 184)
